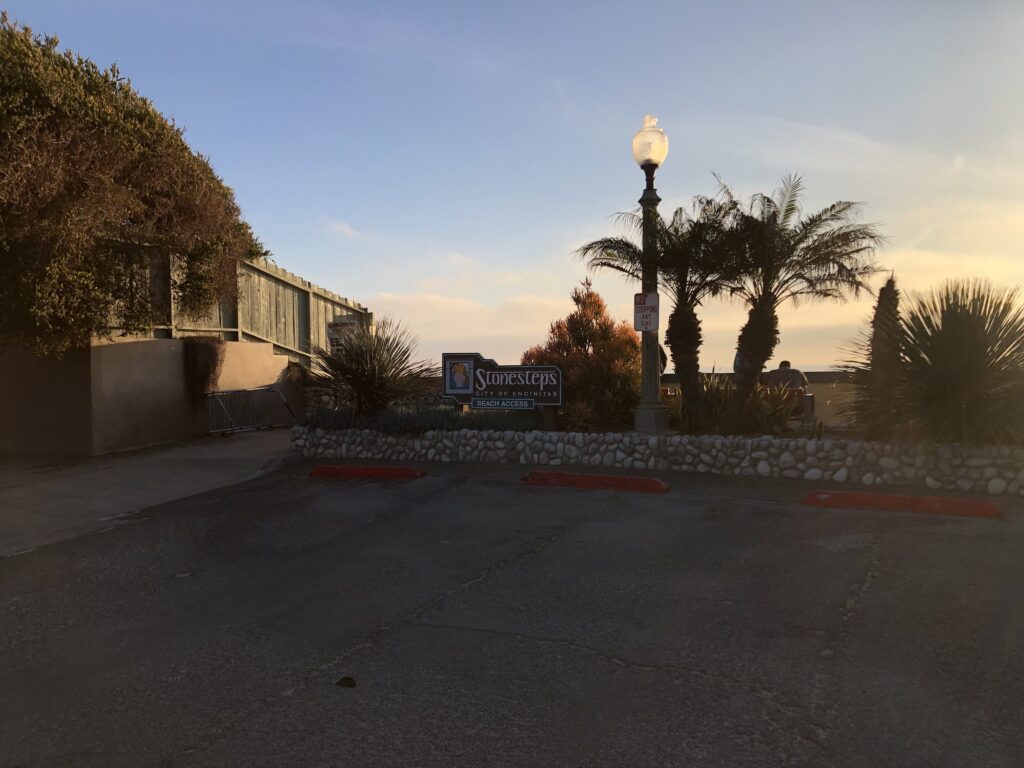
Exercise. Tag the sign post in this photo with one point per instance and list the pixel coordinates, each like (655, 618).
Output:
(645, 312)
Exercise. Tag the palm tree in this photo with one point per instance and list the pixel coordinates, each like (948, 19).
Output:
(690, 260)
(778, 255)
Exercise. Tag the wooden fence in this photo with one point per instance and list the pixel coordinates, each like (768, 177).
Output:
(271, 305)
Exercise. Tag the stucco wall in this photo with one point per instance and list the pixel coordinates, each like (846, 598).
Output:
(250, 364)
(115, 396)
(44, 404)
(139, 396)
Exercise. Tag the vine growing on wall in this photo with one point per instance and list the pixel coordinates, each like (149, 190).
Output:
(204, 357)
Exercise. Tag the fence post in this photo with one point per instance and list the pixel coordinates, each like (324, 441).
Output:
(548, 414)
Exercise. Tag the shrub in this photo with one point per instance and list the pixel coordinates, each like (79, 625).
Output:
(768, 411)
(957, 374)
(600, 362)
(717, 394)
(370, 369)
(97, 189)
(419, 417)
(204, 356)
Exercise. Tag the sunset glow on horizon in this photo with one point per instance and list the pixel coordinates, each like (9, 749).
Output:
(441, 163)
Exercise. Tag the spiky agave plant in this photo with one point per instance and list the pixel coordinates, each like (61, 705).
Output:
(369, 369)
(963, 377)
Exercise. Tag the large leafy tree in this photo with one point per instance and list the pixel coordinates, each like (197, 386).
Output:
(96, 189)
(690, 260)
(779, 255)
(600, 362)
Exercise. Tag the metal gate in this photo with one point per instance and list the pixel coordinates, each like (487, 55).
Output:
(234, 410)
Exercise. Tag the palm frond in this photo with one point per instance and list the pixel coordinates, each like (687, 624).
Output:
(614, 253)
(787, 198)
(631, 221)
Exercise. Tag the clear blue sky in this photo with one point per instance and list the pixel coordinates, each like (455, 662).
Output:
(440, 161)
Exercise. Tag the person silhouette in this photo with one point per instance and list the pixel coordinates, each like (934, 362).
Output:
(786, 376)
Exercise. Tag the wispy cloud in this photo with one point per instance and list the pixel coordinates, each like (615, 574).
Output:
(342, 228)
(407, 35)
(447, 323)
(955, 214)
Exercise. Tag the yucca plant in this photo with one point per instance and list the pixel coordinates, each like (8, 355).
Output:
(770, 409)
(369, 369)
(717, 393)
(963, 367)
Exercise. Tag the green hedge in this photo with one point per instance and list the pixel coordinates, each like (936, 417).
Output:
(416, 419)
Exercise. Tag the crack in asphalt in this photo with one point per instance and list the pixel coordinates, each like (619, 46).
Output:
(536, 545)
(768, 696)
(839, 645)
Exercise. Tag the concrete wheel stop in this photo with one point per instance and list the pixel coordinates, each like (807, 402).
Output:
(892, 502)
(595, 482)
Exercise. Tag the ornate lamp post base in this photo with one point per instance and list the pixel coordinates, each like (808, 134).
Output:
(651, 418)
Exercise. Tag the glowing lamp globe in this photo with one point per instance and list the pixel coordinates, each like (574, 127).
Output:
(650, 144)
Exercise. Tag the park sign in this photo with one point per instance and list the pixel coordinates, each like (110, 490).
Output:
(472, 379)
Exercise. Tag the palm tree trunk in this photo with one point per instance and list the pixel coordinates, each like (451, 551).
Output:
(683, 338)
(754, 348)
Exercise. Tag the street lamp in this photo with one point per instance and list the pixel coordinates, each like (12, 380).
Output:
(650, 146)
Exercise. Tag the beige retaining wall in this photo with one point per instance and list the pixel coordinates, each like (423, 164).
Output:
(116, 396)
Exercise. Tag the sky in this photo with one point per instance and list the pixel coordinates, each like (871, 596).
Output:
(441, 161)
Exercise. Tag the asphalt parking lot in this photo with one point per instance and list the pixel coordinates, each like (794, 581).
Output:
(463, 620)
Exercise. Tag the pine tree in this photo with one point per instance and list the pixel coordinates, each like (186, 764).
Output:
(876, 368)
(886, 342)
(600, 362)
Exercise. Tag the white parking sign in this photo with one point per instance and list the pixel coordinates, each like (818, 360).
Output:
(645, 312)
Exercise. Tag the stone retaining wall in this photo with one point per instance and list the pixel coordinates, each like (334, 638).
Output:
(989, 469)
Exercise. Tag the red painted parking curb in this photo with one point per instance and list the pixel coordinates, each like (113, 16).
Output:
(596, 482)
(356, 472)
(890, 502)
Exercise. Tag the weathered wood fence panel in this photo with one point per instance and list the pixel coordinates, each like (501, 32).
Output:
(272, 305)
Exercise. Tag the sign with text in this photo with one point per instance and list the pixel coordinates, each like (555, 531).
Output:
(337, 328)
(645, 312)
(474, 380)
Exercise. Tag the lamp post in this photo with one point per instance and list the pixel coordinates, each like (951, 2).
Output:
(650, 146)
